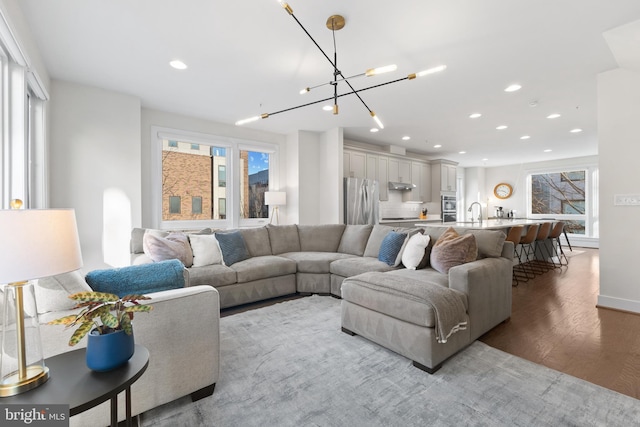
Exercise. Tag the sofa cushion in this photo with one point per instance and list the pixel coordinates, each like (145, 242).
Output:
(414, 254)
(214, 275)
(232, 246)
(378, 233)
(320, 238)
(52, 293)
(173, 246)
(490, 242)
(315, 262)
(257, 241)
(138, 279)
(452, 249)
(283, 238)
(263, 267)
(353, 266)
(206, 250)
(390, 248)
(427, 275)
(136, 244)
(354, 239)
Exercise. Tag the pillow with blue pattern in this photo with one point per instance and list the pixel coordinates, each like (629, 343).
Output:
(390, 248)
(233, 247)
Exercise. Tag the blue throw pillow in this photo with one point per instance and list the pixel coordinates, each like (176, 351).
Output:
(232, 247)
(138, 279)
(390, 247)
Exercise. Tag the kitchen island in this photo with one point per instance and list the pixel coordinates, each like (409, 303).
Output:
(487, 224)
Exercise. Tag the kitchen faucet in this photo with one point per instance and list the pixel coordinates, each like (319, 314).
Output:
(479, 211)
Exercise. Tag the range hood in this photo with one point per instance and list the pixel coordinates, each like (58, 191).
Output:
(401, 186)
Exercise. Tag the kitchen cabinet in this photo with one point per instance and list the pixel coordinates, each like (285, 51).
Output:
(355, 164)
(372, 167)
(399, 170)
(383, 177)
(443, 177)
(425, 183)
(415, 195)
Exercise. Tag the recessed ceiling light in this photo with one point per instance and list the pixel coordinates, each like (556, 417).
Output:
(475, 115)
(513, 87)
(328, 108)
(406, 138)
(553, 116)
(462, 152)
(548, 150)
(502, 127)
(485, 159)
(525, 137)
(178, 65)
(576, 130)
(374, 130)
(437, 146)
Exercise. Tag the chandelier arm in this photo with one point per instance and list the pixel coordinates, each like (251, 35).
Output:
(339, 96)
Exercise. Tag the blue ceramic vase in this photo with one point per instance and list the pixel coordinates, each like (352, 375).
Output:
(107, 352)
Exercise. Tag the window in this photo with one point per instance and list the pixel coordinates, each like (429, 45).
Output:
(225, 179)
(222, 175)
(222, 208)
(196, 205)
(254, 181)
(566, 195)
(174, 204)
(195, 146)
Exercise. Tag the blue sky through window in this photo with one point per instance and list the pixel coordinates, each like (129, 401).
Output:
(258, 162)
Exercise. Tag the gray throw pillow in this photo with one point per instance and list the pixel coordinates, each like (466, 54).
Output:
(233, 247)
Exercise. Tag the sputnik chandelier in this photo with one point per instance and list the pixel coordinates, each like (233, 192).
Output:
(335, 23)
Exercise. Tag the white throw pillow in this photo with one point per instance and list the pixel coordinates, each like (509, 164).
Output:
(414, 250)
(206, 250)
(52, 293)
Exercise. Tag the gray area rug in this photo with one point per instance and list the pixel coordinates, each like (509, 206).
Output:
(290, 365)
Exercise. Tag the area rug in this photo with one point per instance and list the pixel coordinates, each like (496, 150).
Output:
(290, 365)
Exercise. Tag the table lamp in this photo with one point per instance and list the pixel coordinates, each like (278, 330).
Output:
(275, 199)
(35, 243)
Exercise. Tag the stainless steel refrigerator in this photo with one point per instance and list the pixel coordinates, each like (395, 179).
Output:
(361, 201)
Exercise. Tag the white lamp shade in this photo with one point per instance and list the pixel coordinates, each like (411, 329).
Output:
(38, 243)
(275, 198)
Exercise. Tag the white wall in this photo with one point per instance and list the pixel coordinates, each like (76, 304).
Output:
(619, 151)
(95, 167)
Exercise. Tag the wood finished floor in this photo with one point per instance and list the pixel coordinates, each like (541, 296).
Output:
(555, 322)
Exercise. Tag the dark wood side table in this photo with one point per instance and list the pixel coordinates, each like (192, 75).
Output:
(72, 383)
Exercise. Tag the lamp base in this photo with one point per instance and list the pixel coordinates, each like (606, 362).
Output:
(12, 384)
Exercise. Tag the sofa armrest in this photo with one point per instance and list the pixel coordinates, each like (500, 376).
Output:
(182, 334)
(487, 283)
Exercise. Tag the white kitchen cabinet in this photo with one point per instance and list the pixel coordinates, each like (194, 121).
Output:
(399, 170)
(383, 177)
(355, 164)
(425, 184)
(372, 167)
(443, 177)
(414, 195)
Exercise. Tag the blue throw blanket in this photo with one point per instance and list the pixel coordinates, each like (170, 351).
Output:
(138, 279)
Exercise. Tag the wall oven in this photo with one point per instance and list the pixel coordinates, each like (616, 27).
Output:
(449, 208)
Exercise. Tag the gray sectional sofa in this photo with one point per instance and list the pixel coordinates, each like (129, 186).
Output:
(329, 259)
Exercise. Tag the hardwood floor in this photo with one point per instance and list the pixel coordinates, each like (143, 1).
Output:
(555, 322)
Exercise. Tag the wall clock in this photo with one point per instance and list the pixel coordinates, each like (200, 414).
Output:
(503, 191)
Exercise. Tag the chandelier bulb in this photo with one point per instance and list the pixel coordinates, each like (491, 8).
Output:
(305, 90)
(380, 70)
(251, 119)
(335, 108)
(429, 71)
(378, 121)
(286, 6)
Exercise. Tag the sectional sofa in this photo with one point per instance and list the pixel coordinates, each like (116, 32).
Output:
(383, 300)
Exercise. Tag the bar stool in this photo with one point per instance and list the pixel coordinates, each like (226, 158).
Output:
(526, 250)
(540, 266)
(513, 236)
(556, 245)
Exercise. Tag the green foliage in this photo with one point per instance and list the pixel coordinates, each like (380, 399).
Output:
(112, 312)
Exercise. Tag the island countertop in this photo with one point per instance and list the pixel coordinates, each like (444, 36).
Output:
(487, 224)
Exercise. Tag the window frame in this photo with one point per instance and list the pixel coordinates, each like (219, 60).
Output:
(233, 146)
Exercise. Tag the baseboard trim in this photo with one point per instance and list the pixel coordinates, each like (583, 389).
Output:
(619, 304)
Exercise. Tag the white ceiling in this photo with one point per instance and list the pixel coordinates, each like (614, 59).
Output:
(250, 57)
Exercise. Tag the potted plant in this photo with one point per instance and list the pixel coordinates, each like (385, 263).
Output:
(107, 319)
